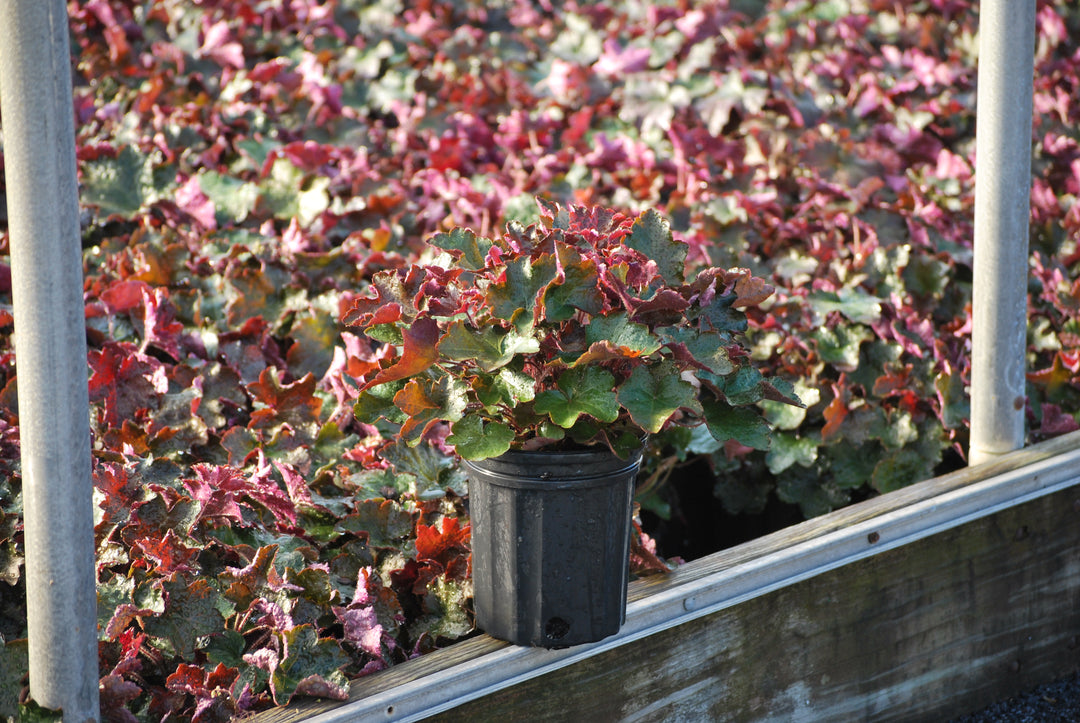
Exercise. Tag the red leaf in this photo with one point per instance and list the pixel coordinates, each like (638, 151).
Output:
(415, 577)
(168, 553)
(189, 679)
(387, 290)
(124, 295)
(160, 326)
(112, 481)
(126, 380)
(116, 693)
(448, 547)
(893, 382)
(643, 557)
(751, 291)
(221, 677)
(318, 687)
(244, 582)
(1055, 421)
(420, 350)
(295, 403)
(294, 483)
(837, 410)
(265, 490)
(308, 155)
(1062, 371)
(665, 302)
(213, 487)
(117, 627)
(362, 628)
(218, 44)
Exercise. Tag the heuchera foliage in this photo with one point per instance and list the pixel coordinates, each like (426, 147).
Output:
(247, 170)
(582, 330)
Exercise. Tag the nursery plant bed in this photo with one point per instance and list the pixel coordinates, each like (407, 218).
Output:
(928, 602)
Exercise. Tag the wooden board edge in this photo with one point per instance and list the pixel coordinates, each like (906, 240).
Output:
(481, 665)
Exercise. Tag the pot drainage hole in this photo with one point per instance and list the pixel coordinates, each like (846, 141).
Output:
(556, 628)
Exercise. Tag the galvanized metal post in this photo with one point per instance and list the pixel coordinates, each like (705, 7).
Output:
(50, 346)
(1002, 217)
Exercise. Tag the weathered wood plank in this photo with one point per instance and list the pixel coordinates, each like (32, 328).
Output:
(768, 562)
(926, 631)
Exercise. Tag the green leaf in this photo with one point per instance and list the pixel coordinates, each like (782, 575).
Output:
(585, 431)
(234, 200)
(901, 468)
(621, 332)
(926, 276)
(385, 521)
(315, 585)
(698, 440)
(288, 194)
(507, 387)
(742, 494)
(651, 236)
(123, 185)
(782, 415)
(434, 470)
(742, 424)
(377, 402)
(722, 316)
(192, 610)
(468, 249)
(517, 294)
(585, 390)
(14, 661)
(371, 483)
(474, 439)
(839, 345)
(31, 712)
(309, 661)
(804, 487)
(852, 465)
(955, 402)
(789, 449)
(426, 400)
(315, 335)
(112, 593)
(454, 620)
(743, 387)
(625, 443)
(706, 347)
(653, 393)
(227, 648)
(489, 346)
(579, 290)
(855, 304)
(549, 430)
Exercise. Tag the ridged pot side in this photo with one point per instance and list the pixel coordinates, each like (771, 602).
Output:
(550, 541)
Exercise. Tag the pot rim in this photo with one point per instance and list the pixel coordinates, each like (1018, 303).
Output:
(554, 469)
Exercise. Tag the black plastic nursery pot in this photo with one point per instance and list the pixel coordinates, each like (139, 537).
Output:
(551, 544)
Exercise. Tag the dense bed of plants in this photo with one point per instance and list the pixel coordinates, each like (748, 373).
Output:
(248, 167)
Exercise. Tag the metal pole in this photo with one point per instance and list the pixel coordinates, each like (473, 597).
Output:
(1002, 217)
(50, 344)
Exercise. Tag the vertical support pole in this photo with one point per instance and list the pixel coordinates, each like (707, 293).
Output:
(50, 346)
(1002, 218)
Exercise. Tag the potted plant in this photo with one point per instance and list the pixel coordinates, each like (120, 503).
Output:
(551, 354)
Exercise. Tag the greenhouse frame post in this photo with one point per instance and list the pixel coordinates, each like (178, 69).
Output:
(50, 341)
(1002, 218)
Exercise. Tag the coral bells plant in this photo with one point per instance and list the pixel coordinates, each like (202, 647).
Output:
(576, 331)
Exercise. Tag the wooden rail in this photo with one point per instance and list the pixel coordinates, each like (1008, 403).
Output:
(926, 603)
